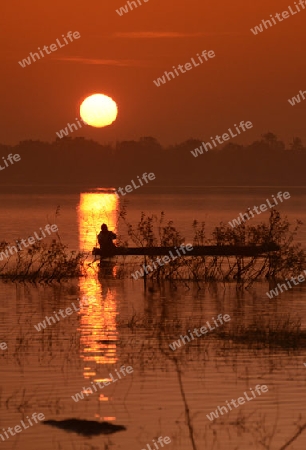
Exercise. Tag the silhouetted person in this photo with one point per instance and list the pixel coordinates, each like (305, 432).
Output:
(105, 239)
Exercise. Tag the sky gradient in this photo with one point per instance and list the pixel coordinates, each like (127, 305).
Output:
(251, 77)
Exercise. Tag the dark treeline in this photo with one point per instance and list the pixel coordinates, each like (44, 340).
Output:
(79, 161)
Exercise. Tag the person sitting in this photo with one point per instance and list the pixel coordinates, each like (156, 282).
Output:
(105, 239)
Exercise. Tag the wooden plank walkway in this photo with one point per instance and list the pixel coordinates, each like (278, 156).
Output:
(205, 250)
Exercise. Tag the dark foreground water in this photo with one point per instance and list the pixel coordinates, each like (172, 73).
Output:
(169, 393)
(41, 371)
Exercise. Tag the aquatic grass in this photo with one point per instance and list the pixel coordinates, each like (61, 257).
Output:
(283, 331)
(52, 261)
(44, 262)
(290, 260)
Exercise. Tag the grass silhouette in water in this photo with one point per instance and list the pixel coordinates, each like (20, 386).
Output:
(85, 427)
(51, 261)
(152, 231)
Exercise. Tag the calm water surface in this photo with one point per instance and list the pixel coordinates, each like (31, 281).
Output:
(40, 371)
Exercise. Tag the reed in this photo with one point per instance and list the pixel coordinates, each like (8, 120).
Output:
(43, 262)
(290, 260)
(47, 262)
(283, 331)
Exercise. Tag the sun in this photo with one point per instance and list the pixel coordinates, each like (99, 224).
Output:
(98, 110)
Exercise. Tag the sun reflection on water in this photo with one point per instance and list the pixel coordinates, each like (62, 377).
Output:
(94, 209)
(98, 314)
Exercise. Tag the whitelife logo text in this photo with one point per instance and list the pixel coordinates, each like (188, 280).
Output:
(42, 325)
(102, 383)
(130, 187)
(241, 401)
(31, 240)
(138, 274)
(243, 126)
(125, 9)
(280, 17)
(203, 330)
(11, 159)
(18, 428)
(294, 100)
(262, 208)
(188, 66)
(53, 48)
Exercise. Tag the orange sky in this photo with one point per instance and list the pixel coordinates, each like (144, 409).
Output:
(251, 77)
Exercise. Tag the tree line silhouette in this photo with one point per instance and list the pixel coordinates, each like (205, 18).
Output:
(83, 162)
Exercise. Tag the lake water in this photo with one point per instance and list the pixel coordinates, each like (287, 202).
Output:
(125, 322)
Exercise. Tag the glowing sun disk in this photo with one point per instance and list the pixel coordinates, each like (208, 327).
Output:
(98, 110)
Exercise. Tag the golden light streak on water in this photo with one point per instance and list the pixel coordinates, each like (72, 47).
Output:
(97, 315)
(94, 209)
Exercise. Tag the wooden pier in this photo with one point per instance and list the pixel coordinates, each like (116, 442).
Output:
(204, 250)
